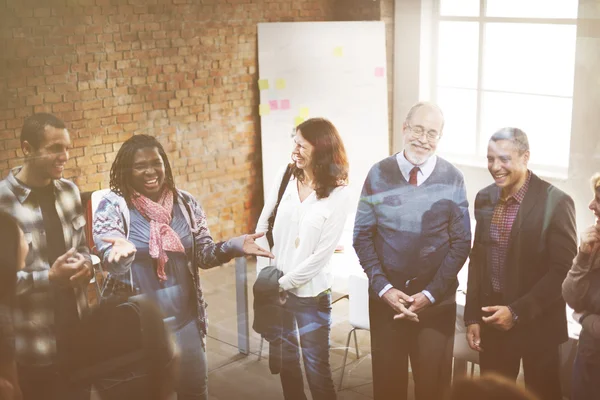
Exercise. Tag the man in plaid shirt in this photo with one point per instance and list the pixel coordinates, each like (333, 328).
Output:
(525, 242)
(51, 288)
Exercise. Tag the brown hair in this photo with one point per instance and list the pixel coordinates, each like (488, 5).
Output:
(488, 387)
(329, 160)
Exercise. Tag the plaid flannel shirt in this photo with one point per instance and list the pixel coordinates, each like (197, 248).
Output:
(33, 314)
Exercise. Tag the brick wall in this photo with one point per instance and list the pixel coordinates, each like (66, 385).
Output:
(182, 70)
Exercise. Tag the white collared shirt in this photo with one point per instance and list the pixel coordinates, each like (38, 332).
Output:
(305, 236)
(426, 169)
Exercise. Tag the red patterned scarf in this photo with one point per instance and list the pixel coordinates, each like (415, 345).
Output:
(162, 237)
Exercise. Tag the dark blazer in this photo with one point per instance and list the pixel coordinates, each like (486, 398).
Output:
(543, 243)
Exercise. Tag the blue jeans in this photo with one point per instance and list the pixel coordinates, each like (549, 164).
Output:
(193, 369)
(310, 319)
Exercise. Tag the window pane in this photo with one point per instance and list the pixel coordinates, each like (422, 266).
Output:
(460, 113)
(530, 58)
(532, 8)
(457, 54)
(463, 8)
(545, 120)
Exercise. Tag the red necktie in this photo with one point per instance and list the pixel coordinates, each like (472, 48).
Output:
(413, 176)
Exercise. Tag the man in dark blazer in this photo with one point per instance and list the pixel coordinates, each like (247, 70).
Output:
(525, 242)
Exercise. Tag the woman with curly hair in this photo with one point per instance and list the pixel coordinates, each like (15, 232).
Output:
(153, 237)
(310, 217)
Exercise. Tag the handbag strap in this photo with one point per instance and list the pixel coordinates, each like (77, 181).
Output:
(282, 186)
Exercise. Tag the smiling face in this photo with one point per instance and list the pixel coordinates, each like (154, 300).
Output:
(148, 172)
(302, 153)
(419, 132)
(47, 161)
(507, 165)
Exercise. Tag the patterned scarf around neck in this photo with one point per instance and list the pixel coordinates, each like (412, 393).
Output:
(162, 237)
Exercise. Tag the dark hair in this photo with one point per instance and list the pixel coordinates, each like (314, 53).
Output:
(329, 160)
(488, 387)
(10, 243)
(515, 135)
(120, 171)
(34, 126)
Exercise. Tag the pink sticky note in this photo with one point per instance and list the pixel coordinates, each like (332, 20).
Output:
(285, 104)
(273, 104)
(379, 72)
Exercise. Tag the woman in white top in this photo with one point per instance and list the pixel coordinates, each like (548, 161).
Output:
(309, 223)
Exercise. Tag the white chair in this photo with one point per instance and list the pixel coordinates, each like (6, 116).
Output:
(358, 291)
(462, 353)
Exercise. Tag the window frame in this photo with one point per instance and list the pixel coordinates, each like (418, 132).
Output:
(475, 159)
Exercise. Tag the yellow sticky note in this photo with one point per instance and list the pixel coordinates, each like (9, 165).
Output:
(298, 121)
(264, 109)
(338, 51)
(263, 84)
(304, 112)
(280, 84)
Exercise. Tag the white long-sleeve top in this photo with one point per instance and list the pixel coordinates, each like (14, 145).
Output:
(305, 236)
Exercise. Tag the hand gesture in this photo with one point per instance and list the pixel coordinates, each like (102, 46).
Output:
(590, 239)
(66, 266)
(399, 301)
(421, 302)
(474, 337)
(84, 271)
(501, 319)
(250, 247)
(121, 248)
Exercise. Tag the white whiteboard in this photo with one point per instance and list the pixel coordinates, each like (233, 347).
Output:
(335, 70)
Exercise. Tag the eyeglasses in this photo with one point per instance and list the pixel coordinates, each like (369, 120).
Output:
(418, 131)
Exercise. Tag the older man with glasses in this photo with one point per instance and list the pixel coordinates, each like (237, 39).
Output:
(412, 236)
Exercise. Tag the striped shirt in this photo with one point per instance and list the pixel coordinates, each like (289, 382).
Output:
(503, 218)
(33, 314)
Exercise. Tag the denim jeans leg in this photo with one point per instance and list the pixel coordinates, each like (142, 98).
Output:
(313, 316)
(291, 374)
(193, 370)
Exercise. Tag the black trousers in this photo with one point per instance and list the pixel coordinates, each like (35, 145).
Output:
(428, 343)
(502, 354)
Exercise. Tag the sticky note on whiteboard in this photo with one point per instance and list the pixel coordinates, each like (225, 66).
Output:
(338, 51)
(263, 84)
(304, 112)
(280, 84)
(298, 121)
(379, 71)
(263, 109)
(273, 105)
(285, 104)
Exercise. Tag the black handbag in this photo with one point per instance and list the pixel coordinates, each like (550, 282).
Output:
(282, 186)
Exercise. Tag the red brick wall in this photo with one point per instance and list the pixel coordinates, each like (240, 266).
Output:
(182, 70)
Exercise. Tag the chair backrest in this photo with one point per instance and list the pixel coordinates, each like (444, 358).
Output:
(358, 293)
(462, 351)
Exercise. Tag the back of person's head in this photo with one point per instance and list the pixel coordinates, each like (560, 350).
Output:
(488, 387)
(10, 256)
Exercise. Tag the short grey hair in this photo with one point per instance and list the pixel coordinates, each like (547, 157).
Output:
(515, 135)
(596, 181)
(427, 104)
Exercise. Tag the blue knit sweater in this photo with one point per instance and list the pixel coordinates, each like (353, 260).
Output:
(411, 233)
